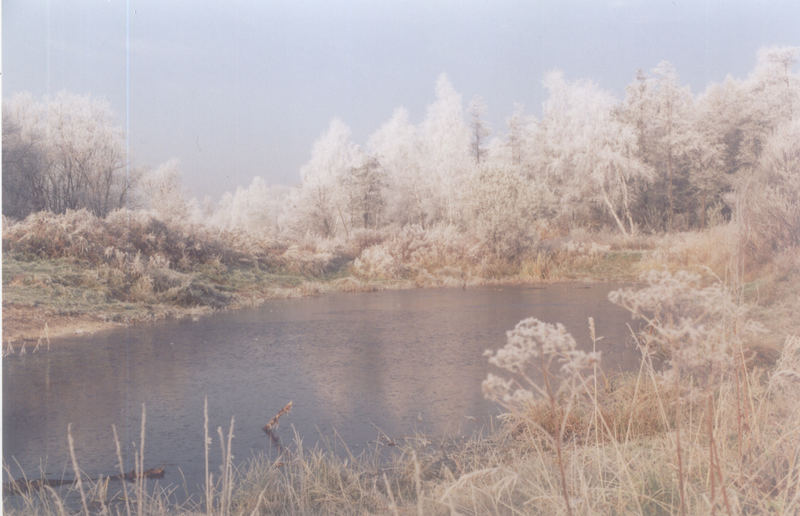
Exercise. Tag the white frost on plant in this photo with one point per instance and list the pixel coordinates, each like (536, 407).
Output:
(537, 354)
(700, 327)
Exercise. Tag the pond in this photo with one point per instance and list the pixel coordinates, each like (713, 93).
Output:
(400, 361)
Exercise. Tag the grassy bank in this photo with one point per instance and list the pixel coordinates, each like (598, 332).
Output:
(76, 273)
(48, 298)
(48, 294)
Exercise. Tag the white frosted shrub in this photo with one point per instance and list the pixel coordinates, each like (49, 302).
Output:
(406, 242)
(536, 353)
(376, 262)
(416, 249)
(446, 245)
(362, 238)
(699, 327)
(257, 210)
(310, 260)
(160, 191)
(501, 215)
(769, 204)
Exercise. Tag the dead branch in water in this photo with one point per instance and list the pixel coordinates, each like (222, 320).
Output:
(274, 421)
(276, 442)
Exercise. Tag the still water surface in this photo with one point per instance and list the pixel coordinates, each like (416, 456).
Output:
(400, 361)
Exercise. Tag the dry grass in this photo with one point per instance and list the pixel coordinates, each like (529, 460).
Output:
(78, 273)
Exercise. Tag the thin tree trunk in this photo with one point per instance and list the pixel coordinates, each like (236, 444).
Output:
(625, 202)
(613, 212)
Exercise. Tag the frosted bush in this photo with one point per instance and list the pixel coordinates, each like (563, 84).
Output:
(536, 353)
(125, 218)
(700, 328)
(376, 262)
(446, 244)
(47, 235)
(499, 212)
(302, 260)
(769, 203)
(361, 238)
(591, 249)
(415, 249)
(257, 210)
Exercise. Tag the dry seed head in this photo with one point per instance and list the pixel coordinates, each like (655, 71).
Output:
(531, 348)
(530, 339)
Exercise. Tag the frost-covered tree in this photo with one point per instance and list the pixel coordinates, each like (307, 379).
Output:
(24, 158)
(614, 167)
(86, 155)
(719, 124)
(322, 201)
(768, 201)
(81, 153)
(587, 153)
(498, 154)
(501, 212)
(661, 112)
(765, 100)
(520, 139)
(736, 119)
(479, 129)
(445, 151)
(160, 190)
(396, 147)
(258, 209)
(364, 186)
(774, 84)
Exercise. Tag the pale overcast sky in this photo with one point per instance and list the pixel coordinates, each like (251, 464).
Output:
(239, 89)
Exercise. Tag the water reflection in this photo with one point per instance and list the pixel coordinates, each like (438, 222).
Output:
(397, 360)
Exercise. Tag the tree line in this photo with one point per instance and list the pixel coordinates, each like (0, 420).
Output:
(660, 159)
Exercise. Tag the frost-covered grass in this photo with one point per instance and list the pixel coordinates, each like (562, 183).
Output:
(67, 271)
(77, 271)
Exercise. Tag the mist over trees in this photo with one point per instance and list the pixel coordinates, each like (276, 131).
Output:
(660, 159)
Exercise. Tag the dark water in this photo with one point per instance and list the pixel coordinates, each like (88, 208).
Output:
(401, 361)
